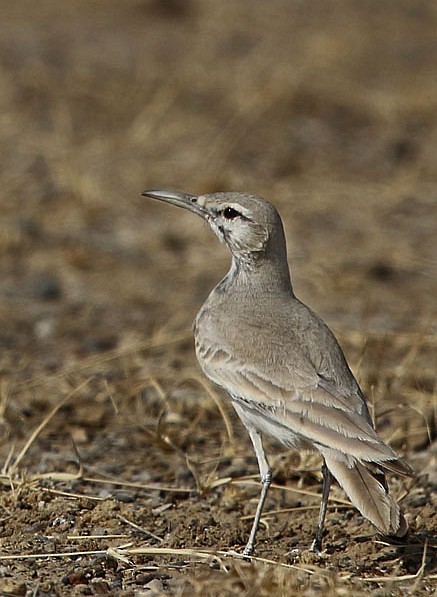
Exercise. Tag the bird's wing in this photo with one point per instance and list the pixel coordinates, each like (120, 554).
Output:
(306, 404)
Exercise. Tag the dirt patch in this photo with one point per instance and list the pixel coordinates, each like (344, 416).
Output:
(143, 471)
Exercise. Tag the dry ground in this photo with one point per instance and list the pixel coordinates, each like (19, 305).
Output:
(117, 457)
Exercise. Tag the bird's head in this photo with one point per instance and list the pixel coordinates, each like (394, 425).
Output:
(250, 226)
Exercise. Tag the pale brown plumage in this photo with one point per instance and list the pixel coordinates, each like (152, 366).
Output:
(281, 365)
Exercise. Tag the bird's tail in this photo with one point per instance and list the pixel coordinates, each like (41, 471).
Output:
(367, 490)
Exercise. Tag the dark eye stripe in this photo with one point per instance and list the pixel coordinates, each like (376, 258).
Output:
(230, 213)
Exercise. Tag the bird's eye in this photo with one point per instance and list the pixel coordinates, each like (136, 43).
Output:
(229, 213)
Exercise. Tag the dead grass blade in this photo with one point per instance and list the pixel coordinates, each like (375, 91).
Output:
(166, 440)
(119, 483)
(296, 509)
(125, 552)
(111, 397)
(265, 561)
(62, 476)
(404, 577)
(5, 395)
(138, 528)
(7, 462)
(68, 494)
(212, 555)
(121, 553)
(42, 556)
(13, 467)
(86, 537)
(250, 480)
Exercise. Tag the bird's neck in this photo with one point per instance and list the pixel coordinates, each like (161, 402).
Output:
(258, 276)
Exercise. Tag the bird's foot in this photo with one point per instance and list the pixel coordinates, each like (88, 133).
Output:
(316, 547)
(305, 555)
(248, 551)
(241, 556)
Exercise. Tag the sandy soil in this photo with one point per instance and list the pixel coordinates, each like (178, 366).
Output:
(123, 471)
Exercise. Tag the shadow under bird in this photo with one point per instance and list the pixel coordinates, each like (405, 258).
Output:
(282, 367)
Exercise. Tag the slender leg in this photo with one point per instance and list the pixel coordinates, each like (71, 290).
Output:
(316, 545)
(266, 479)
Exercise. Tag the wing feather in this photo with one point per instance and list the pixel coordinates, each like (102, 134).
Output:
(317, 412)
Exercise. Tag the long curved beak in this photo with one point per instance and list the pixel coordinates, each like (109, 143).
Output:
(178, 198)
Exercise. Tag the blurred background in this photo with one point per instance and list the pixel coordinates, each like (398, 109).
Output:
(329, 110)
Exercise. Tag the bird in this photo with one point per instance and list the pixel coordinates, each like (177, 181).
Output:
(282, 367)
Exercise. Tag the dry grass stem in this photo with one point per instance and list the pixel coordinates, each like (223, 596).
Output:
(13, 467)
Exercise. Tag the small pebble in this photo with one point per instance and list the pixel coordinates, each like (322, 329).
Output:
(47, 287)
(125, 497)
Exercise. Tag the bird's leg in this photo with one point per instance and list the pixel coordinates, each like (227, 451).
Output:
(316, 545)
(266, 479)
